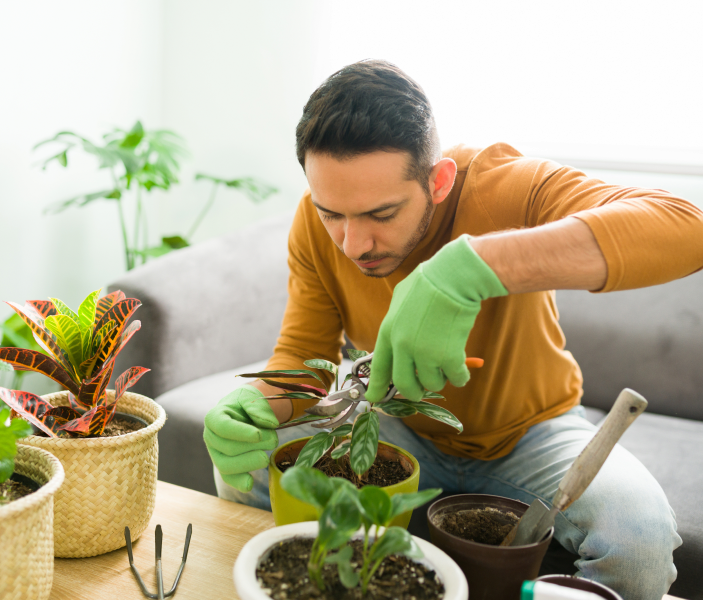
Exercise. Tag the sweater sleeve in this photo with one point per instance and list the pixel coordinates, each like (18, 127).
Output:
(312, 325)
(647, 237)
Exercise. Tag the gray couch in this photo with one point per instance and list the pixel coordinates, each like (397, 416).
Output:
(212, 310)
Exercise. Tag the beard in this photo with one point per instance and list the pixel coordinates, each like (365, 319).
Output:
(411, 244)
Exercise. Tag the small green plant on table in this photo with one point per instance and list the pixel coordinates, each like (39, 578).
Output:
(342, 510)
(10, 432)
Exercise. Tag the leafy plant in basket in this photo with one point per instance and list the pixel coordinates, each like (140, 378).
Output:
(10, 432)
(342, 509)
(80, 352)
(362, 444)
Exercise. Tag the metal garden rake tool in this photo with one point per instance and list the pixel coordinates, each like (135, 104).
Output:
(160, 595)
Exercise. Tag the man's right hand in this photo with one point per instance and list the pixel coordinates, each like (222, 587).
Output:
(237, 431)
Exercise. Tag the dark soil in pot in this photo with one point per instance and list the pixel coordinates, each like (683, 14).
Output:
(16, 487)
(121, 424)
(482, 525)
(283, 574)
(388, 468)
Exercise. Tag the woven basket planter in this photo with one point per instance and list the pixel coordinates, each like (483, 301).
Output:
(110, 482)
(27, 529)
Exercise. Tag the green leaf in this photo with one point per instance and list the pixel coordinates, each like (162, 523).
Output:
(376, 505)
(347, 576)
(7, 468)
(307, 485)
(314, 449)
(86, 316)
(438, 414)
(176, 242)
(342, 430)
(135, 135)
(364, 443)
(341, 450)
(253, 189)
(403, 503)
(396, 540)
(321, 363)
(301, 420)
(397, 408)
(355, 355)
(63, 309)
(294, 396)
(432, 396)
(68, 336)
(339, 520)
(284, 373)
(82, 200)
(17, 334)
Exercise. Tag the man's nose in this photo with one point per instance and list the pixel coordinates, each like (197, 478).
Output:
(357, 240)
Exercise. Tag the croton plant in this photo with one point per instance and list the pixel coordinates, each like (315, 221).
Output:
(81, 348)
(360, 439)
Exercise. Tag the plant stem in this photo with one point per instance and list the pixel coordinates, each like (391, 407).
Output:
(127, 251)
(205, 210)
(137, 222)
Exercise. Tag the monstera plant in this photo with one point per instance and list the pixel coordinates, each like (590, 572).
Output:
(80, 352)
(362, 442)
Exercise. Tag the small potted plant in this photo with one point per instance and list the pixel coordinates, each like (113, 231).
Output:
(352, 450)
(350, 551)
(29, 477)
(110, 458)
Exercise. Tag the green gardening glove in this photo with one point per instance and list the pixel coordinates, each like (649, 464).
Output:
(237, 431)
(422, 339)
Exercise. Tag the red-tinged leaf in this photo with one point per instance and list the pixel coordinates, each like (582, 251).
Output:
(73, 401)
(45, 338)
(107, 302)
(82, 424)
(66, 413)
(288, 374)
(30, 360)
(29, 406)
(293, 396)
(127, 380)
(295, 387)
(92, 392)
(116, 338)
(44, 308)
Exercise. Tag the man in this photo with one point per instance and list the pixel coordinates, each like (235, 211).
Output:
(400, 246)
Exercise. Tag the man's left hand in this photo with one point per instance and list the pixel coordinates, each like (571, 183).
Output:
(422, 339)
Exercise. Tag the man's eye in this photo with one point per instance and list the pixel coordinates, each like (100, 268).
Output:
(383, 219)
(326, 217)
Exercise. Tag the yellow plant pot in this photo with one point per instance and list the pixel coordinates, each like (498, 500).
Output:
(287, 509)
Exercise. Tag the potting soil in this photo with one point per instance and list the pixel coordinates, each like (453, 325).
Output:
(382, 473)
(13, 490)
(482, 525)
(283, 575)
(120, 426)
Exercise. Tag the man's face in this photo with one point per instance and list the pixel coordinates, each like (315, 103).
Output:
(374, 214)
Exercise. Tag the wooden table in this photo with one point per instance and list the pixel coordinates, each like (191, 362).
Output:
(220, 530)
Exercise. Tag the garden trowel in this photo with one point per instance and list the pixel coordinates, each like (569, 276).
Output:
(539, 519)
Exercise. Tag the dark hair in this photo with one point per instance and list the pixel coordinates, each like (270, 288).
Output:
(368, 106)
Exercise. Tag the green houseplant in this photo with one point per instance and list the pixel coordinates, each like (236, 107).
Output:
(26, 533)
(110, 476)
(351, 544)
(357, 442)
(141, 160)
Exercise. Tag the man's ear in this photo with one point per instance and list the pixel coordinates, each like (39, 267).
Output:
(442, 178)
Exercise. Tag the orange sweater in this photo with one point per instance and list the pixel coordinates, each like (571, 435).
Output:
(647, 236)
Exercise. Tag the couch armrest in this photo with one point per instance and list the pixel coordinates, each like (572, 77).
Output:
(208, 308)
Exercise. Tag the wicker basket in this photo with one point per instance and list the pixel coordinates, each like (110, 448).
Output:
(110, 481)
(27, 529)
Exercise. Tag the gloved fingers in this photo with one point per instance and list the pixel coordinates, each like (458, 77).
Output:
(242, 463)
(457, 373)
(405, 379)
(431, 377)
(223, 422)
(381, 369)
(269, 441)
(241, 481)
(259, 411)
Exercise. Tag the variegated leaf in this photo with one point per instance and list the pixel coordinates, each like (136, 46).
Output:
(364, 443)
(107, 302)
(31, 360)
(315, 447)
(120, 313)
(68, 335)
(46, 339)
(64, 309)
(88, 365)
(29, 406)
(127, 380)
(287, 373)
(86, 315)
(91, 423)
(44, 308)
(67, 413)
(295, 387)
(75, 403)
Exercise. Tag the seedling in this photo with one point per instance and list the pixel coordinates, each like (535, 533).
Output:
(10, 432)
(342, 510)
(81, 349)
(362, 444)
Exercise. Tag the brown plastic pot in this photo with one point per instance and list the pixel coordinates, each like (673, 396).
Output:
(493, 572)
(578, 583)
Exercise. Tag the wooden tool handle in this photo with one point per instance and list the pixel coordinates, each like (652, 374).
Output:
(626, 409)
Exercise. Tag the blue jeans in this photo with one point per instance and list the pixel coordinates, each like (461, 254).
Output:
(622, 528)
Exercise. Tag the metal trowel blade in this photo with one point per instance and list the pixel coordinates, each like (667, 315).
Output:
(523, 531)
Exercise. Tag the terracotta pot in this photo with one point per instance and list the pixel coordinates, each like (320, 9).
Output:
(256, 549)
(493, 572)
(287, 509)
(579, 583)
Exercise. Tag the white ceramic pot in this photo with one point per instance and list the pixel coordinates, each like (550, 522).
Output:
(455, 586)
